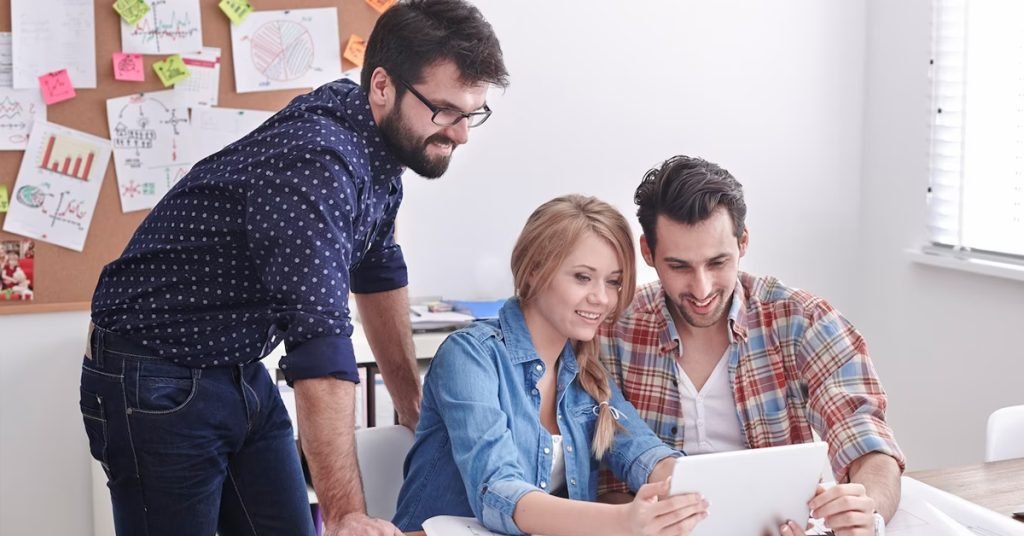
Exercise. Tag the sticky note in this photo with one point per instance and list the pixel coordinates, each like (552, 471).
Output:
(129, 67)
(236, 10)
(131, 10)
(56, 87)
(3, 198)
(355, 49)
(171, 70)
(380, 5)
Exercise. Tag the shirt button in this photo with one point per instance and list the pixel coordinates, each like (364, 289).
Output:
(547, 450)
(572, 482)
(540, 367)
(536, 392)
(569, 448)
(674, 430)
(543, 485)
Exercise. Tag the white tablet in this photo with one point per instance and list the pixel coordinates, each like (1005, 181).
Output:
(752, 492)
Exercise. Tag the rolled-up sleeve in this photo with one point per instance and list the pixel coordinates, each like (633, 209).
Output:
(847, 403)
(300, 239)
(466, 381)
(382, 268)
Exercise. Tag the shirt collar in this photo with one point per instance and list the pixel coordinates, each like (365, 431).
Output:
(517, 338)
(356, 106)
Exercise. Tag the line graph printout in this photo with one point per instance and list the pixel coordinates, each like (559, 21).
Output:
(153, 148)
(50, 35)
(56, 203)
(293, 49)
(18, 109)
(170, 27)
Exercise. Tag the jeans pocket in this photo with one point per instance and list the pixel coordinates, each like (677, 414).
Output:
(159, 387)
(95, 419)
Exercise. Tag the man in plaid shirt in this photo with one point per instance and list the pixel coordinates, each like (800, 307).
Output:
(715, 359)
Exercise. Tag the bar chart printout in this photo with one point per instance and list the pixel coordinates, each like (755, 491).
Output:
(68, 156)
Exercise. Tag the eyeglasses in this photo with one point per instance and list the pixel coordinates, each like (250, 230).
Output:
(447, 117)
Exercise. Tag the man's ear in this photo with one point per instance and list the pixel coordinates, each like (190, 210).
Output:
(382, 90)
(744, 241)
(645, 251)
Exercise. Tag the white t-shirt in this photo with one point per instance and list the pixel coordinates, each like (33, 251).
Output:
(710, 422)
(557, 479)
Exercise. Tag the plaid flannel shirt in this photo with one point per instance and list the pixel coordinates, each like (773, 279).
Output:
(795, 364)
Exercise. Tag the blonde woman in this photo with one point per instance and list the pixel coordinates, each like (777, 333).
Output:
(517, 412)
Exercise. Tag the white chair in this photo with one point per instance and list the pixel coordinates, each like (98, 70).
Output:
(1005, 438)
(381, 451)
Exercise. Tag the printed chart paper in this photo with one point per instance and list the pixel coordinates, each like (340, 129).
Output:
(216, 128)
(19, 108)
(170, 27)
(59, 180)
(6, 61)
(202, 85)
(298, 48)
(152, 146)
(50, 35)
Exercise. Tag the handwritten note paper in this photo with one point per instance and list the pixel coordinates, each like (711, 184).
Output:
(4, 201)
(381, 5)
(355, 49)
(171, 70)
(129, 67)
(49, 35)
(56, 87)
(236, 10)
(131, 10)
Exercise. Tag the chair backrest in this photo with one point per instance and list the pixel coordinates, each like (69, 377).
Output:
(381, 451)
(1005, 438)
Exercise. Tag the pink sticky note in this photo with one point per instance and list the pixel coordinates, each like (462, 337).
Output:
(56, 86)
(129, 67)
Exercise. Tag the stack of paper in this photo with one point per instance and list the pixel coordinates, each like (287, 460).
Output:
(423, 319)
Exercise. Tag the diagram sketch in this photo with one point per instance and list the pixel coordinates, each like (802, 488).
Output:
(19, 108)
(297, 48)
(54, 197)
(170, 27)
(50, 35)
(153, 149)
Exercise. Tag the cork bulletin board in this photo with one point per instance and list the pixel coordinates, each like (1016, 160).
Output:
(63, 279)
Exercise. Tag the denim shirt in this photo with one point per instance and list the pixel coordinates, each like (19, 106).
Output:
(480, 445)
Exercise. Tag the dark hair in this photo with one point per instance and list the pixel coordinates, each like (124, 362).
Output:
(415, 34)
(687, 190)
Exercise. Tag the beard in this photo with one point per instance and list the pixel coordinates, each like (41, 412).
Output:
(701, 321)
(411, 150)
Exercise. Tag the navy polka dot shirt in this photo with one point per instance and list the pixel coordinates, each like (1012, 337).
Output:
(262, 242)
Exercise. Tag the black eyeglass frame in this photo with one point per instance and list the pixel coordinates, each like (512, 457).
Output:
(437, 110)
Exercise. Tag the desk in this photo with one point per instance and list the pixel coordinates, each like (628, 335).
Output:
(998, 486)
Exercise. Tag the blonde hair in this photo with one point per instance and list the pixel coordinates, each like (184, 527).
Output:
(546, 240)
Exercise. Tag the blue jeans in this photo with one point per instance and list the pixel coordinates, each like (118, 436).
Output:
(191, 451)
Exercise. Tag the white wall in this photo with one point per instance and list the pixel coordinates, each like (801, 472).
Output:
(945, 342)
(601, 91)
(44, 455)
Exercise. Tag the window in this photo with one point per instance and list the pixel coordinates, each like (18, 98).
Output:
(976, 187)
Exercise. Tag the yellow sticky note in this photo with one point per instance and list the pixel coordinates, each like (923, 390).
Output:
(4, 201)
(355, 49)
(380, 5)
(236, 10)
(131, 10)
(172, 70)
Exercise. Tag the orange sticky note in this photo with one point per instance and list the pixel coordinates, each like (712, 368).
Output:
(355, 49)
(129, 67)
(56, 87)
(380, 5)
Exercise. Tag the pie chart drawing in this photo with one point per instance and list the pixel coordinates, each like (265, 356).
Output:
(282, 50)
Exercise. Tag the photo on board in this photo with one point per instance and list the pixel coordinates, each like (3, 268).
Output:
(17, 277)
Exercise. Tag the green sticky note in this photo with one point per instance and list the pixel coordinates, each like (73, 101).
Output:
(236, 10)
(172, 70)
(131, 10)
(3, 199)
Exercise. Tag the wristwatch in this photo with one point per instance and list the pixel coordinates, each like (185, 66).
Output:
(879, 525)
